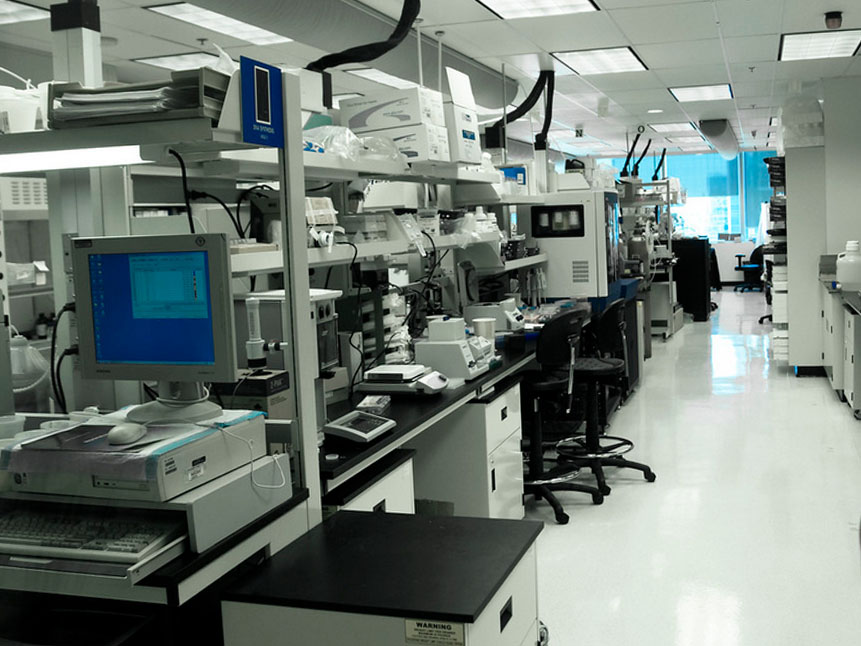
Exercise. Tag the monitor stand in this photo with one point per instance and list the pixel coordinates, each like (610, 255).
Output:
(178, 401)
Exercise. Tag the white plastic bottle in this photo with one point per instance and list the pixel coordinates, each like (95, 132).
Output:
(849, 267)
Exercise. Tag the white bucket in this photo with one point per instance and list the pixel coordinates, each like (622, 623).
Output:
(21, 108)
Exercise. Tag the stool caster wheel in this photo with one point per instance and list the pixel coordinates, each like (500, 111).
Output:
(562, 518)
(605, 490)
(597, 499)
(650, 476)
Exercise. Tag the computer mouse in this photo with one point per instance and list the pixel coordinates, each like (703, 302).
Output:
(126, 433)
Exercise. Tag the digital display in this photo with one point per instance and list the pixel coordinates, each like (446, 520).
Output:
(152, 308)
(261, 90)
(364, 424)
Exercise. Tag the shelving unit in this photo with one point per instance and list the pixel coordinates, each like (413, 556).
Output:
(779, 273)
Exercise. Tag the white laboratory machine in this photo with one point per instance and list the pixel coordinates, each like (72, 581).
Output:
(448, 351)
(405, 379)
(507, 316)
(579, 232)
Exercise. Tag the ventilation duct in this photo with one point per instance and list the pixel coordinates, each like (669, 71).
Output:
(719, 134)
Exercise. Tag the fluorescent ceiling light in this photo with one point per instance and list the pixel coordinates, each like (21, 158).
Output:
(65, 159)
(532, 8)
(655, 111)
(180, 62)
(382, 77)
(685, 140)
(821, 44)
(673, 127)
(11, 12)
(702, 93)
(602, 61)
(220, 23)
(695, 149)
(337, 98)
(774, 121)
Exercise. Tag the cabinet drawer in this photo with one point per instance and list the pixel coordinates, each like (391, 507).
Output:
(505, 479)
(393, 493)
(502, 416)
(512, 614)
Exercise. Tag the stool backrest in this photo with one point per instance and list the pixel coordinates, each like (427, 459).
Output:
(610, 328)
(557, 337)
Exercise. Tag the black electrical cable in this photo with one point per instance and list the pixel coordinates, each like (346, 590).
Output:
(549, 92)
(151, 393)
(328, 276)
(319, 188)
(68, 352)
(242, 196)
(200, 195)
(624, 172)
(636, 170)
(68, 307)
(372, 51)
(185, 192)
(493, 133)
(657, 174)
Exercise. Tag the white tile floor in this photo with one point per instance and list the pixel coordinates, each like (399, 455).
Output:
(749, 536)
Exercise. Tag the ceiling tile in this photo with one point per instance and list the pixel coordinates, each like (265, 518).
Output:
(813, 70)
(676, 54)
(749, 17)
(529, 64)
(436, 12)
(624, 4)
(662, 24)
(626, 81)
(745, 49)
(694, 75)
(590, 30)
(492, 37)
(807, 15)
(147, 23)
(639, 96)
(762, 72)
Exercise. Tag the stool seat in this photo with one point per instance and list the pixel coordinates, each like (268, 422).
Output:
(535, 381)
(592, 368)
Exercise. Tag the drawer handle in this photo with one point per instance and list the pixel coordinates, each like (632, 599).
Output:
(493, 479)
(504, 413)
(505, 614)
(380, 506)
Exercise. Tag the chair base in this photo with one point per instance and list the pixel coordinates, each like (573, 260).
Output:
(597, 462)
(546, 492)
(577, 448)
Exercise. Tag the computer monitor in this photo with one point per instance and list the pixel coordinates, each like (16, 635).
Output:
(157, 308)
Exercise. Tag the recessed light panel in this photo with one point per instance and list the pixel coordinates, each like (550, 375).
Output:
(687, 126)
(685, 140)
(382, 77)
(602, 61)
(179, 62)
(532, 8)
(220, 23)
(11, 12)
(822, 44)
(655, 111)
(702, 93)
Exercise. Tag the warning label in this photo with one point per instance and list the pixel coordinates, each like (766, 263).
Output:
(434, 633)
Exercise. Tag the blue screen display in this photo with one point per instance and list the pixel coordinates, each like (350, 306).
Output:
(152, 308)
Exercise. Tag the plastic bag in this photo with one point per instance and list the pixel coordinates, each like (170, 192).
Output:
(383, 148)
(334, 140)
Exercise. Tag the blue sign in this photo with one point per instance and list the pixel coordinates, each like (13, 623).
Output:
(262, 103)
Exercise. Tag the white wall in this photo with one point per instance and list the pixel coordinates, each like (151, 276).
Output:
(725, 252)
(842, 162)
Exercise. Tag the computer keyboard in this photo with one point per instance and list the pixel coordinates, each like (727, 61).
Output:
(83, 535)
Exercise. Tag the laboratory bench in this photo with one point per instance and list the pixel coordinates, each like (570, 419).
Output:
(393, 579)
(413, 414)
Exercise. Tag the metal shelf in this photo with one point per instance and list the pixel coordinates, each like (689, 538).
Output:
(185, 135)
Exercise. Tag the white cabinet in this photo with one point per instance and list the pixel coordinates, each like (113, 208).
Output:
(386, 486)
(851, 348)
(833, 337)
(470, 463)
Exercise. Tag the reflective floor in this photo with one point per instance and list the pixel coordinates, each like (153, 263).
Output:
(749, 536)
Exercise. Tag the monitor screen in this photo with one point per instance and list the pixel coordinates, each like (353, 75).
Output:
(155, 308)
(158, 300)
